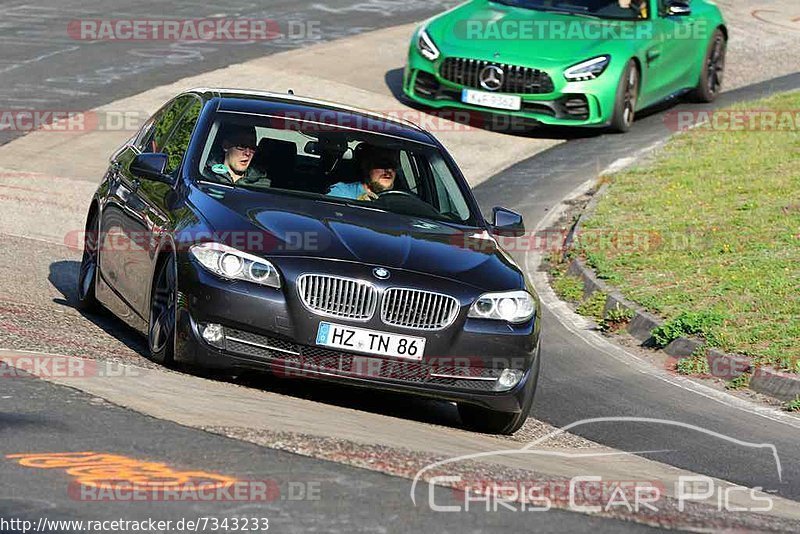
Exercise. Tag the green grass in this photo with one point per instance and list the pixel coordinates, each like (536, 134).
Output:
(617, 318)
(688, 324)
(793, 405)
(569, 288)
(593, 306)
(739, 382)
(709, 233)
(696, 364)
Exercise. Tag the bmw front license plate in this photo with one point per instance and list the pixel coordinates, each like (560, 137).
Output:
(491, 100)
(370, 341)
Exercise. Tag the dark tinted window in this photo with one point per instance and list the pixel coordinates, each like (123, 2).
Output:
(319, 159)
(161, 125)
(178, 142)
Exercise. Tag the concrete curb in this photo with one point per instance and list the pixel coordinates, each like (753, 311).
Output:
(766, 380)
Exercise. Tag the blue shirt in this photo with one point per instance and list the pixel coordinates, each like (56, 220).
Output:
(347, 190)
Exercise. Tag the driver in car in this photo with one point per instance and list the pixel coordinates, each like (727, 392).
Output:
(379, 174)
(638, 6)
(238, 149)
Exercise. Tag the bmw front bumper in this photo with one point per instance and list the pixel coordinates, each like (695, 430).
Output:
(270, 329)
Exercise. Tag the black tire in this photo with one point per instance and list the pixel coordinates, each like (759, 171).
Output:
(627, 97)
(87, 276)
(163, 312)
(491, 421)
(712, 73)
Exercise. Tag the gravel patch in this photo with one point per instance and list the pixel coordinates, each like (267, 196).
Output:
(477, 476)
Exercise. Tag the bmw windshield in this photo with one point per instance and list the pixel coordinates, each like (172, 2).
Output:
(319, 161)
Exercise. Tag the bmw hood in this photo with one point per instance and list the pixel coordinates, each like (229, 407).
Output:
(275, 226)
(498, 32)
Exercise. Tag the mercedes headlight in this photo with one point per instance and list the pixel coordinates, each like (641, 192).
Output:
(232, 264)
(426, 46)
(587, 70)
(511, 306)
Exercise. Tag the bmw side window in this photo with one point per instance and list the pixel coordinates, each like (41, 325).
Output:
(141, 140)
(164, 123)
(451, 202)
(409, 171)
(179, 140)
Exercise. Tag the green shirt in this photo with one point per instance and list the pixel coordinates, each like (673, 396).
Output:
(251, 177)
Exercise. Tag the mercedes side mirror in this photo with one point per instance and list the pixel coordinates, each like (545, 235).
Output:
(678, 8)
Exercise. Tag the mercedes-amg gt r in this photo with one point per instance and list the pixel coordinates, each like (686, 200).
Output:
(567, 62)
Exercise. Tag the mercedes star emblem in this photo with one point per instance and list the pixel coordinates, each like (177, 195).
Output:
(491, 77)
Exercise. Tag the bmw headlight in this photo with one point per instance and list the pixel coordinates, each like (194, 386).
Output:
(232, 264)
(511, 306)
(426, 46)
(587, 70)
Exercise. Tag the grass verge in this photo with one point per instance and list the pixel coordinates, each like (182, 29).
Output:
(708, 237)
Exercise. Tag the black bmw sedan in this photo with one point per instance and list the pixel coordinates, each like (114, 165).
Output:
(244, 229)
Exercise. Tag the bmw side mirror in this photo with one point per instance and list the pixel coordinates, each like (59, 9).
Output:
(151, 166)
(678, 8)
(507, 223)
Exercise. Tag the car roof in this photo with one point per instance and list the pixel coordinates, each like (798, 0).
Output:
(290, 106)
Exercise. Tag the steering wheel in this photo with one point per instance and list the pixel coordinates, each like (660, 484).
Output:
(408, 203)
(397, 192)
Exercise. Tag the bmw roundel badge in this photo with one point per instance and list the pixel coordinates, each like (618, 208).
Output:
(381, 273)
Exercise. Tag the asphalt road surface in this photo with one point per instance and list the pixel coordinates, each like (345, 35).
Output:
(43, 67)
(303, 494)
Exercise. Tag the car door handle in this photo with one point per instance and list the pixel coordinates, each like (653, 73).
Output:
(653, 54)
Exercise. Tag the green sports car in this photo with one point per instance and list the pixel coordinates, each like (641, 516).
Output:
(567, 62)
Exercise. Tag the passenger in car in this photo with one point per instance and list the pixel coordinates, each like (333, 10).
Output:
(379, 172)
(238, 150)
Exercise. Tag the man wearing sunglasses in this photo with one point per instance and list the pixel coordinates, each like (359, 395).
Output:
(379, 174)
(238, 150)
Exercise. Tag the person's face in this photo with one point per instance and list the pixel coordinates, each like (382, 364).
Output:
(381, 180)
(239, 157)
